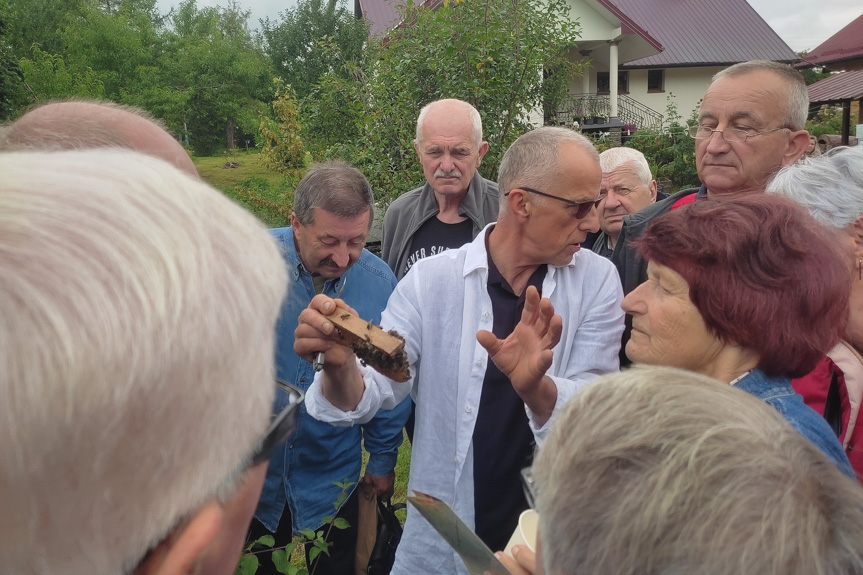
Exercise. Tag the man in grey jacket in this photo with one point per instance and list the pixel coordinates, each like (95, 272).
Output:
(455, 203)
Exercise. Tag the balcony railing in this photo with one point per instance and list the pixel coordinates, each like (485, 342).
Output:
(587, 109)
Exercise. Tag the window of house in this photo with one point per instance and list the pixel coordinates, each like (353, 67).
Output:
(603, 84)
(656, 80)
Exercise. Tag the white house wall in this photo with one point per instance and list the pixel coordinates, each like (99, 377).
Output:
(687, 84)
(593, 25)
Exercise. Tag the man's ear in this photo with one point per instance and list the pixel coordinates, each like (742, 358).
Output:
(483, 148)
(797, 145)
(181, 551)
(856, 231)
(295, 221)
(653, 187)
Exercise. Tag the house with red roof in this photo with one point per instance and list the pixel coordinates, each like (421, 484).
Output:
(843, 53)
(640, 52)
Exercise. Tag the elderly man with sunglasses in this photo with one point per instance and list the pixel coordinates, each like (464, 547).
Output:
(491, 363)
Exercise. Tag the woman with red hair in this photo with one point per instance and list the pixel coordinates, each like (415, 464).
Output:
(749, 291)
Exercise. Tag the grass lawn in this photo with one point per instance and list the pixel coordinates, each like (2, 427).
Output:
(251, 165)
(265, 192)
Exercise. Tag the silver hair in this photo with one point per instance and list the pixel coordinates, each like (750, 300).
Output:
(534, 160)
(659, 470)
(136, 371)
(38, 131)
(614, 158)
(472, 113)
(829, 186)
(335, 187)
(797, 104)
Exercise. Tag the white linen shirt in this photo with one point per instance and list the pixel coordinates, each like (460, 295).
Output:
(438, 307)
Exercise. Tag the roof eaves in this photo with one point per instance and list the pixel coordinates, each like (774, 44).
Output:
(631, 24)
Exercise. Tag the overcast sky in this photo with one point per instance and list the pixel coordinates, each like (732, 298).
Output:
(803, 24)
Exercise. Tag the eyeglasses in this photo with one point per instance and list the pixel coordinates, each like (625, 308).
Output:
(583, 208)
(735, 135)
(282, 426)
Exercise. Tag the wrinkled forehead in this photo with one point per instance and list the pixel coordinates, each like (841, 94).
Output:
(625, 175)
(760, 97)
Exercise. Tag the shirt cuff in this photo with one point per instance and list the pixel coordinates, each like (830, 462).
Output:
(381, 463)
(321, 409)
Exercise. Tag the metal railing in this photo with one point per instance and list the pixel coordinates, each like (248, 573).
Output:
(581, 107)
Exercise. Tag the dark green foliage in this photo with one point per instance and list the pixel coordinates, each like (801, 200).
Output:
(311, 40)
(487, 52)
(670, 151)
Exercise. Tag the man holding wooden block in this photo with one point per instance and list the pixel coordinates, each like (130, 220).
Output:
(477, 421)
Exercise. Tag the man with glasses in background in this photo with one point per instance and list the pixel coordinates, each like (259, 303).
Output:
(751, 123)
(323, 251)
(627, 186)
(491, 363)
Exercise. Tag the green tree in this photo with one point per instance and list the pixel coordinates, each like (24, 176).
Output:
(813, 74)
(487, 52)
(669, 151)
(283, 148)
(300, 45)
(46, 76)
(212, 79)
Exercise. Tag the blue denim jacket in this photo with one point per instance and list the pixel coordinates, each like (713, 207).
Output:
(303, 472)
(777, 391)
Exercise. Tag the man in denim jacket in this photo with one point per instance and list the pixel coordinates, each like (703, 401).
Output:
(323, 250)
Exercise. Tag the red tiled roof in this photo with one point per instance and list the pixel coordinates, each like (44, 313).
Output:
(679, 28)
(382, 15)
(842, 86)
(698, 33)
(846, 44)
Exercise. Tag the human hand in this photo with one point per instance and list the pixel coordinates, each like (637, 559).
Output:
(315, 333)
(523, 561)
(382, 485)
(526, 354)
(342, 383)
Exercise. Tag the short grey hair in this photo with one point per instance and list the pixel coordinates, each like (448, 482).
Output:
(472, 113)
(336, 187)
(614, 158)
(797, 104)
(76, 132)
(829, 186)
(136, 371)
(534, 160)
(659, 470)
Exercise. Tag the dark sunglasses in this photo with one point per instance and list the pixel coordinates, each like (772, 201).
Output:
(582, 208)
(282, 426)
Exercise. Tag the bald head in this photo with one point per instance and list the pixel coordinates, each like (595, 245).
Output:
(457, 114)
(84, 125)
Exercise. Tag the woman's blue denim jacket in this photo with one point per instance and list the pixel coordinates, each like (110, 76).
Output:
(303, 472)
(777, 391)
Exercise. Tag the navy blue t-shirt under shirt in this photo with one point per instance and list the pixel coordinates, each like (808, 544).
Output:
(435, 236)
(503, 442)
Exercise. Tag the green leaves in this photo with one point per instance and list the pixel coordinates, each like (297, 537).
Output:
(489, 53)
(248, 565)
